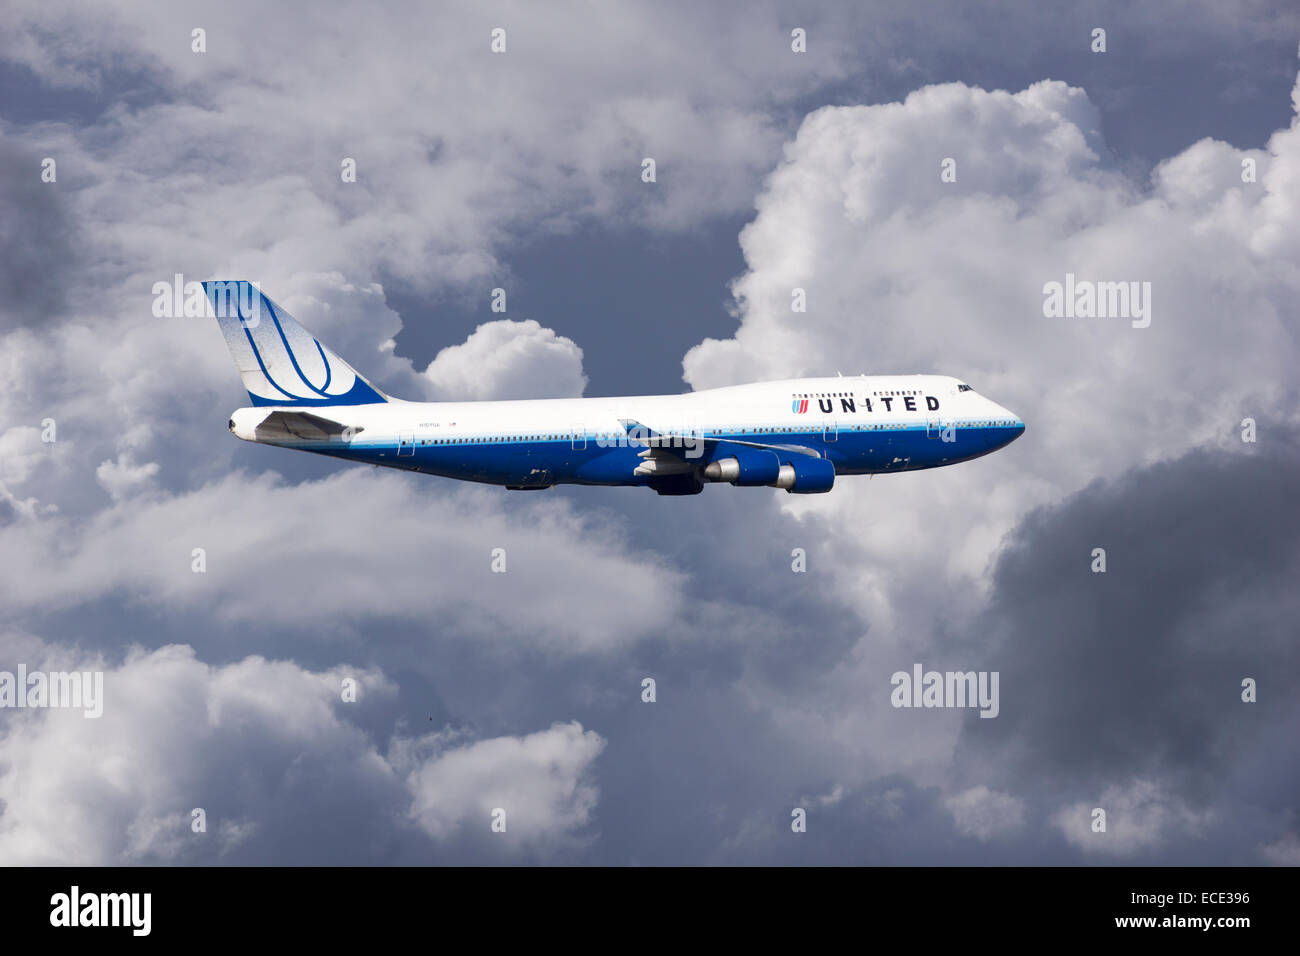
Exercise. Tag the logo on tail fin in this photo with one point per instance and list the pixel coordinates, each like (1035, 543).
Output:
(280, 362)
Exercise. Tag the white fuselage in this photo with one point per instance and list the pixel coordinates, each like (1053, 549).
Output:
(861, 424)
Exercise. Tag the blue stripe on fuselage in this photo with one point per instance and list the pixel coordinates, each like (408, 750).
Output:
(557, 461)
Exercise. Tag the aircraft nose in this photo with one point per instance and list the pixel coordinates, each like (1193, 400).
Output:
(1011, 426)
(1017, 427)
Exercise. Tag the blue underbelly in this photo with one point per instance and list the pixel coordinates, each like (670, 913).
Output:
(559, 462)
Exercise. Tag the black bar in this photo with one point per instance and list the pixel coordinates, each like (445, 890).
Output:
(329, 906)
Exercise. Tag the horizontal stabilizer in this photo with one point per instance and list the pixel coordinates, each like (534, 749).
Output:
(302, 426)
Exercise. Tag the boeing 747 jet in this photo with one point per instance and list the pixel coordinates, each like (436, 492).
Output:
(799, 435)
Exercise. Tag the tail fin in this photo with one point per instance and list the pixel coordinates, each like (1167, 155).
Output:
(280, 361)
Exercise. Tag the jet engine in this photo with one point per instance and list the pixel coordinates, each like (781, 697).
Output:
(806, 476)
(800, 474)
(748, 467)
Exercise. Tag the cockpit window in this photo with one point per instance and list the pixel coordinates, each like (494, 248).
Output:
(964, 388)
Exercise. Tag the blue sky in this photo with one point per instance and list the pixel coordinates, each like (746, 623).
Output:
(523, 690)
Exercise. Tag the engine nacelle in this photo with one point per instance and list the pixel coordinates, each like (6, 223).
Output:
(724, 469)
(806, 476)
(748, 467)
(803, 475)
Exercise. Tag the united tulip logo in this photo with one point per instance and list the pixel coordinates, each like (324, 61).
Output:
(799, 406)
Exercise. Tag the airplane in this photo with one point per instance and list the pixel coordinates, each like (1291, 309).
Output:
(798, 435)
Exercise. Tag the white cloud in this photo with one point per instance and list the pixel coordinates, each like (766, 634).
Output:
(1284, 852)
(986, 814)
(121, 788)
(541, 781)
(457, 149)
(257, 744)
(905, 273)
(1139, 815)
(122, 476)
(829, 799)
(357, 544)
(507, 359)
